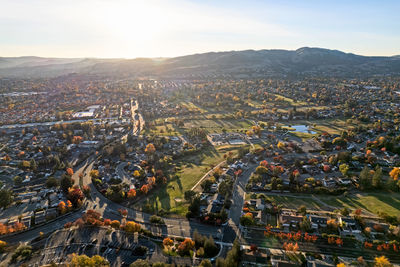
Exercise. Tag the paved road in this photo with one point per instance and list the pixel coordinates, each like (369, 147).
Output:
(109, 209)
(231, 230)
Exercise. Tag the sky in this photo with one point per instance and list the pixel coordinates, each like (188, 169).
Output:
(155, 28)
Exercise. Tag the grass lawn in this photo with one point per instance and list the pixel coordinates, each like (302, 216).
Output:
(216, 125)
(170, 198)
(295, 201)
(372, 202)
(211, 125)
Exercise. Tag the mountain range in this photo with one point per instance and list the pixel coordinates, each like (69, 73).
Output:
(303, 61)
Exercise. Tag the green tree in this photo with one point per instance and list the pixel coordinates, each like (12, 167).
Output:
(66, 182)
(205, 263)
(51, 182)
(6, 198)
(140, 263)
(305, 225)
(365, 178)
(210, 249)
(33, 164)
(17, 180)
(302, 210)
(377, 178)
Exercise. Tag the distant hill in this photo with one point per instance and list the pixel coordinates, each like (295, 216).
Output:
(303, 61)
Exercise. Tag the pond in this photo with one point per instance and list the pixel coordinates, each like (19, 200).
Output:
(301, 129)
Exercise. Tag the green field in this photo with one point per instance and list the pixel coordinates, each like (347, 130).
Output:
(170, 197)
(372, 202)
(216, 125)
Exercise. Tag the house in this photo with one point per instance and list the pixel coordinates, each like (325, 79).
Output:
(51, 213)
(319, 263)
(26, 220)
(258, 216)
(329, 182)
(258, 204)
(216, 204)
(40, 217)
(344, 181)
(349, 226)
(318, 221)
(290, 220)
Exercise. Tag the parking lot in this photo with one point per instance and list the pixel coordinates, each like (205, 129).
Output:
(117, 247)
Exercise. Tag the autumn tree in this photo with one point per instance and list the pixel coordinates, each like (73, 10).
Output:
(62, 207)
(131, 193)
(344, 169)
(75, 195)
(144, 189)
(132, 227)
(168, 242)
(395, 173)
(382, 261)
(70, 171)
(94, 174)
(115, 224)
(85, 261)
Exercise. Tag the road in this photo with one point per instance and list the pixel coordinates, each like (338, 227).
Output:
(231, 230)
(109, 209)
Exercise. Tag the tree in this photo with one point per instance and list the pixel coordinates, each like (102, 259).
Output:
(115, 224)
(86, 190)
(302, 210)
(247, 219)
(17, 180)
(395, 173)
(377, 178)
(66, 182)
(205, 263)
(3, 245)
(70, 171)
(344, 169)
(189, 195)
(185, 246)
(62, 207)
(140, 263)
(51, 182)
(365, 178)
(281, 145)
(382, 261)
(75, 195)
(131, 193)
(23, 252)
(33, 164)
(194, 207)
(85, 261)
(132, 227)
(305, 225)
(6, 198)
(94, 174)
(210, 249)
(144, 189)
(168, 242)
(345, 211)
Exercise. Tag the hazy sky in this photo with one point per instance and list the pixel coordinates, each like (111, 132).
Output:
(154, 28)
